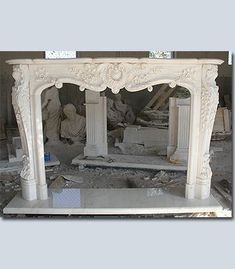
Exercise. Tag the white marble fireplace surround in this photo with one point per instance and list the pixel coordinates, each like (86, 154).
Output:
(34, 76)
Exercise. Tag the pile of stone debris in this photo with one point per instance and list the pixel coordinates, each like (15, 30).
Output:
(10, 185)
(224, 188)
(162, 179)
(153, 118)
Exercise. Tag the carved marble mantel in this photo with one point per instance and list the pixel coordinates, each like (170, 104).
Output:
(33, 76)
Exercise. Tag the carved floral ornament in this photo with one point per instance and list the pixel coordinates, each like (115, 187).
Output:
(21, 104)
(209, 103)
(206, 172)
(209, 96)
(132, 76)
(21, 97)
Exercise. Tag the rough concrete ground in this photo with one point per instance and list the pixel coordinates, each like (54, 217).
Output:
(114, 178)
(222, 177)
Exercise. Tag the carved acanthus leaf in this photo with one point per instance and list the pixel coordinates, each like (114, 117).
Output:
(131, 76)
(21, 104)
(209, 96)
(20, 97)
(26, 171)
(206, 172)
(87, 74)
(209, 103)
(186, 76)
(42, 75)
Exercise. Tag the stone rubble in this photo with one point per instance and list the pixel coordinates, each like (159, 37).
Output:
(161, 176)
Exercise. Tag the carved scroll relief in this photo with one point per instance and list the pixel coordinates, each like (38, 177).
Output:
(98, 76)
(21, 104)
(209, 103)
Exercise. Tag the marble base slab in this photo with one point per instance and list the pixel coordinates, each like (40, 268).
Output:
(130, 161)
(112, 202)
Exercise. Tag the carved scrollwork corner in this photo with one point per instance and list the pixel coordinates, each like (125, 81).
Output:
(133, 77)
(172, 84)
(26, 171)
(187, 76)
(206, 172)
(21, 105)
(42, 76)
(209, 96)
(209, 103)
(58, 84)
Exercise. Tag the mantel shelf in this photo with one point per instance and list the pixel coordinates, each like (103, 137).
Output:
(115, 60)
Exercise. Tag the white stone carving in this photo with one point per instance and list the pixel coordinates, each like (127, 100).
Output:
(51, 113)
(96, 125)
(74, 126)
(209, 103)
(33, 76)
(173, 127)
(15, 151)
(21, 104)
(179, 128)
(98, 75)
(119, 113)
(41, 74)
(209, 96)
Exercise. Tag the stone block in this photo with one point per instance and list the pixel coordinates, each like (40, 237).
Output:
(222, 124)
(15, 151)
(146, 135)
(179, 126)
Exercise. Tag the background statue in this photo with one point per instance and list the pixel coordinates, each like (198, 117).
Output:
(51, 114)
(119, 113)
(126, 110)
(114, 117)
(73, 128)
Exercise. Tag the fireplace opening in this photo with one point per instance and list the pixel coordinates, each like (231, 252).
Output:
(147, 136)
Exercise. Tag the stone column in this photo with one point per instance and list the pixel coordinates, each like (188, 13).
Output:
(193, 143)
(181, 153)
(96, 125)
(38, 147)
(173, 127)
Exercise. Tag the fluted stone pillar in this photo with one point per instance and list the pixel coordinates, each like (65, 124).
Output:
(173, 127)
(183, 126)
(96, 125)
